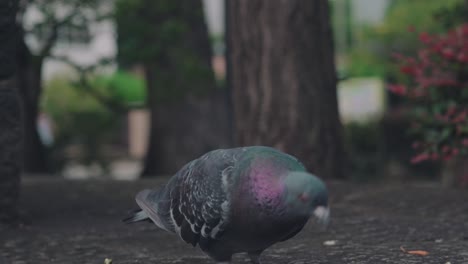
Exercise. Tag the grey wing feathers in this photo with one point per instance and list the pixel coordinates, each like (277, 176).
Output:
(195, 203)
(136, 216)
(200, 196)
(149, 201)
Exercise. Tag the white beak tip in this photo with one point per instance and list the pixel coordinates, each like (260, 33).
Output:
(322, 214)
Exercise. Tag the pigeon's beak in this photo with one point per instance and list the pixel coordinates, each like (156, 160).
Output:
(322, 214)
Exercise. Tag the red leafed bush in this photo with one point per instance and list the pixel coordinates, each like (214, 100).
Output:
(436, 88)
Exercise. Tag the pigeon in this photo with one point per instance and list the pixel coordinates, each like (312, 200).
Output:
(236, 200)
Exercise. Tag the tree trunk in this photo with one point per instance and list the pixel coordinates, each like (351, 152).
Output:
(30, 88)
(184, 129)
(10, 137)
(195, 122)
(10, 132)
(153, 159)
(284, 80)
(34, 159)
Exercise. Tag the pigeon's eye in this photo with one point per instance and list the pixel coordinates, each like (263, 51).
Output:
(303, 197)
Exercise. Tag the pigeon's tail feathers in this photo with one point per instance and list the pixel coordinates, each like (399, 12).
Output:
(144, 195)
(136, 216)
(149, 202)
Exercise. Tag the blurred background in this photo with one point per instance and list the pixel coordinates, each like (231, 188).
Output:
(134, 88)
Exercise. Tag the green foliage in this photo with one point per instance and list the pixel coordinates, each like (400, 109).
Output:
(372, 53)
(146, 29)
(78, 119)
(165, 37)
(123, 87)
(454, 15)
(341, 19)
(365, 64)
(420, 14)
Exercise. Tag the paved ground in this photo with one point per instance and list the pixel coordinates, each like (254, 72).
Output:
(70, 222)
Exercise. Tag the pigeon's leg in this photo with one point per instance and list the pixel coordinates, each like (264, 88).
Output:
(255, 256)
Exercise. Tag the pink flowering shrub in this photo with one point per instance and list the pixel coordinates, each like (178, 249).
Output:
(436, 88)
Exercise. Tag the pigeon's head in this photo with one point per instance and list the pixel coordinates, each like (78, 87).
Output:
(306, 194)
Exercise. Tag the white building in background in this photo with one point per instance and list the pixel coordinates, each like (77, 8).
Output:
(361, 99)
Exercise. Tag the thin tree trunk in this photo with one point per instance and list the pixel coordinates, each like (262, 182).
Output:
(10, 132)
(30, 88)
(284, 80)
(10, 137)
(186, 127)
(183, 130)
(152, 162)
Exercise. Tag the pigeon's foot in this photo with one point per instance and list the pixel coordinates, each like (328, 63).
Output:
(255, 256)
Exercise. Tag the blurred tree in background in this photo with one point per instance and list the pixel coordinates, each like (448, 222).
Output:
(284, 80)
(281, 74)
(436, 87)
(371, 55)
(453, 15)
(169, 41)
(10, 116)
(436, 90)
(87, 114)
(343, 25)
(373, 46)
(54, 19)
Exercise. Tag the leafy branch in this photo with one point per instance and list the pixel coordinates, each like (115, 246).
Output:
(84, 83)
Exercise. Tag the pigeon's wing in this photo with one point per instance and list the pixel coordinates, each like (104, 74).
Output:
(200, 196)
(154, 206)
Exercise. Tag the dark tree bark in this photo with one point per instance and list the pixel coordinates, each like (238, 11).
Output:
(184, 129)
(10, 129)
(195, 121)
(154, 158)
(284, 81)
(10, 137)
(29, 82)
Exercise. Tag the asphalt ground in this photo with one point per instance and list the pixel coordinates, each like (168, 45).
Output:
(69, 222)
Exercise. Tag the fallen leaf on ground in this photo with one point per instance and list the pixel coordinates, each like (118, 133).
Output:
(415, 252)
